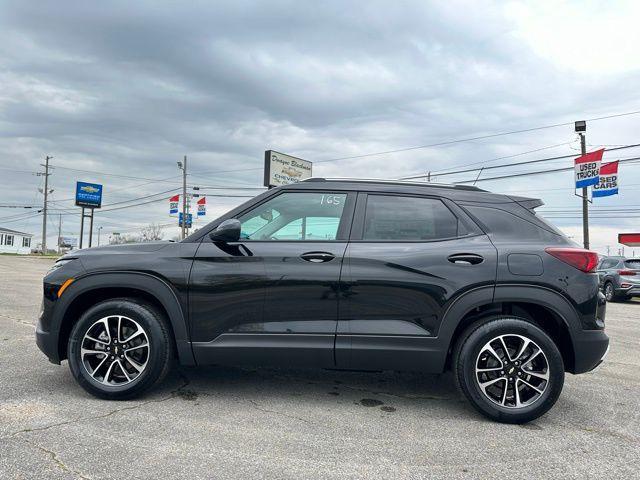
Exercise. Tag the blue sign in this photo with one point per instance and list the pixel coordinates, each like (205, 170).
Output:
(189, 219)
(88, 195)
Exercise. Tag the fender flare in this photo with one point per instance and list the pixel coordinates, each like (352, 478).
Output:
(536, 294)
(149, 284)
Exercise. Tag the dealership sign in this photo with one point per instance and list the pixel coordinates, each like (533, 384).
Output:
(608, 184)
(283, 169)
(587, 169)
(88, 195)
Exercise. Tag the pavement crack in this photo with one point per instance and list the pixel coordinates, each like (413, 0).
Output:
(56, 460)
(17, 320)
(172, 395)
(260, 408)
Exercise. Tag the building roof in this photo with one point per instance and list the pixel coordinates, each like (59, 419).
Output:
(14, 232)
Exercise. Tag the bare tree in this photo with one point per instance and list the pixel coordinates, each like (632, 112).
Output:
(151, 233)
(118, 239)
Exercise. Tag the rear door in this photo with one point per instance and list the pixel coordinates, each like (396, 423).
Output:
(408, 258)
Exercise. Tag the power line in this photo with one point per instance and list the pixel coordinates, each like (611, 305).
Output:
(480, 137)
(515, 164)
(537, 172)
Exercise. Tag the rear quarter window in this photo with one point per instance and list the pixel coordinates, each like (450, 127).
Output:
(632, 264)
(503, 224)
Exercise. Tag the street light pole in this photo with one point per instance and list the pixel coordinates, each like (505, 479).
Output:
(99, 230)
(581, 129)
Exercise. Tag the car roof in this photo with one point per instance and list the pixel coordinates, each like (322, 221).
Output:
(457, 192)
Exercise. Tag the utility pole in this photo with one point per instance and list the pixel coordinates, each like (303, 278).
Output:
(44, 209)
(59, 232)
(183, 166)
(581, 129)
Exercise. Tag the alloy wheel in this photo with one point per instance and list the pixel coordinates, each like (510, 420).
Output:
(115, 350)
(608, 292)
(512, 371)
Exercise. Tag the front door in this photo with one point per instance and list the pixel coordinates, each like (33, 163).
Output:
(290, 256)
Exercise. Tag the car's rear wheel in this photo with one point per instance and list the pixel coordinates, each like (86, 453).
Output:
(609, 293)
(509, 369)
(120, 348)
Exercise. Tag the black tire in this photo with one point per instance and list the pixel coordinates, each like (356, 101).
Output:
(159, 354)
(608, 291)
(467, 353)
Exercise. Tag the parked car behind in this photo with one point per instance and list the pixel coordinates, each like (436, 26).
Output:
(619, 278)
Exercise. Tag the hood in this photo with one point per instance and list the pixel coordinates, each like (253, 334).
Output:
(123, 249)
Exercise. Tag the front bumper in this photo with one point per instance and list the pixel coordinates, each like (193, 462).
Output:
(46, 339)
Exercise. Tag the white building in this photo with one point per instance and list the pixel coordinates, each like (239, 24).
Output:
(14, 242)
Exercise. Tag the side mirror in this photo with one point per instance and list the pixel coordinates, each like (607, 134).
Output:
(227, 231)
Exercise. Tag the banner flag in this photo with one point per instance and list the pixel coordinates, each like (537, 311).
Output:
(587, 169)
(173, 204)
(202, 207)
(608, 184)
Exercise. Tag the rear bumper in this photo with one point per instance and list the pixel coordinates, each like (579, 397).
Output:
(590, 348)
(633, 291)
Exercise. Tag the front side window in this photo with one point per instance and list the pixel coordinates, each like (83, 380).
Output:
(26, 242)
(8, 240)
(398, 218)
(312, 216)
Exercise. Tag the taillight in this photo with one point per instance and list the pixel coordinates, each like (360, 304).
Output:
(627, 273)
(582, 259)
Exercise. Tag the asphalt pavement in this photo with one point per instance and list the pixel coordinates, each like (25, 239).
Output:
(273, 423)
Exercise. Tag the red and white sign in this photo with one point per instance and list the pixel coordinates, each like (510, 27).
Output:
(173, 204)
(629, 239)
(587, 168)
(202, 207)
(608, 184)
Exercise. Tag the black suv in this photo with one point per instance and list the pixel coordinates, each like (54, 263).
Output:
(341, 274)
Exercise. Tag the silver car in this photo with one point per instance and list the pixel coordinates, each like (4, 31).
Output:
(619, 278)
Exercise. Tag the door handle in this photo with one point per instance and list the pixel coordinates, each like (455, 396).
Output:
(317, 257)
(466, 258)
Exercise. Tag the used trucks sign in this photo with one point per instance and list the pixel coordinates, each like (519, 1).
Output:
(283, 169)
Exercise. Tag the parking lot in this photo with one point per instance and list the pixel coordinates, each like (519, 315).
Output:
(268, 423)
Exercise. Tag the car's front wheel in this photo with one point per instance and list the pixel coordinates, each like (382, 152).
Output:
(120, 348)
(509, 369)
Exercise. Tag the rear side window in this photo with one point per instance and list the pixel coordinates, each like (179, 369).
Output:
(399, 218)
(509, 226)
(632, 264)
(606, 264)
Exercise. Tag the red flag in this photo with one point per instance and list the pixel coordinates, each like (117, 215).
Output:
(609, 168)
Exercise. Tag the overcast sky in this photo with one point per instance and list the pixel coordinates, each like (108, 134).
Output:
(128, 88)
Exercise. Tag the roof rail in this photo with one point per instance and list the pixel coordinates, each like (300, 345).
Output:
(394, 181)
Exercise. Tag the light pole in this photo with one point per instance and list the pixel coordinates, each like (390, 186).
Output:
(99, 230)
(581, 129)
(183, 166)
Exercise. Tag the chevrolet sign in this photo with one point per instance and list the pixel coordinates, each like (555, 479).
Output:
(88, 195)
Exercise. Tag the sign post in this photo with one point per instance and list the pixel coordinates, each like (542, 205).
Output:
(88, 196)
(283, 169)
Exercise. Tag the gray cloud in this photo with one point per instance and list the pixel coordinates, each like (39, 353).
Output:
(129, 87)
